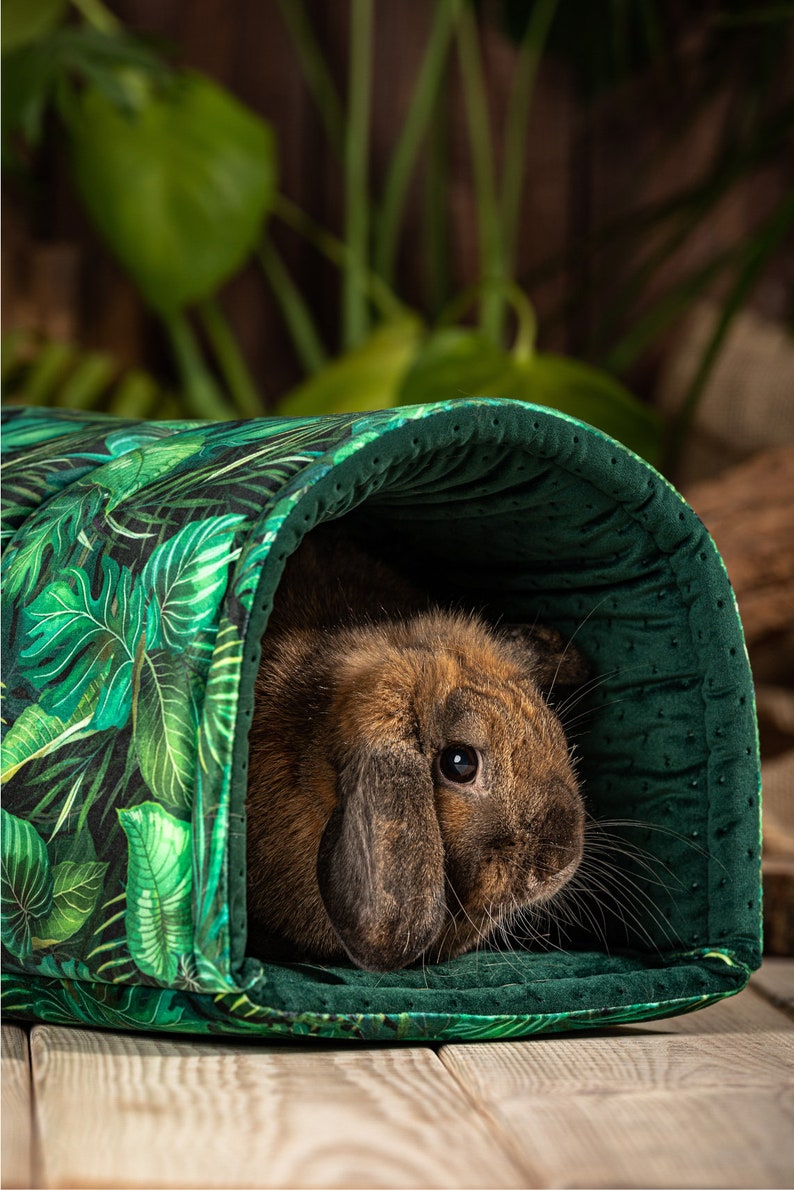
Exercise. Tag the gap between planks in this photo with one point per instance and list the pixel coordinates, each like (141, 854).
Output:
(117, 1110)
(702, 1100)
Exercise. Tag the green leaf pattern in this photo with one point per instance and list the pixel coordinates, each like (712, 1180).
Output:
(76, 889)
(159, 925)
(185, 578)
(165, 728)
(27, 883)
(77, 639)
(131, 568)
(37, 733)
(126, 602)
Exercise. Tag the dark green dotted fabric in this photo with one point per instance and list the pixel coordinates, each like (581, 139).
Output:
(501, 505)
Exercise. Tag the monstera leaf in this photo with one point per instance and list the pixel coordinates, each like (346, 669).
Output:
(165, 728)
(51, 529)
(461, 363)
(186, 577)
(179, 189)
(95, 640)
(26, 883)
(159, 883)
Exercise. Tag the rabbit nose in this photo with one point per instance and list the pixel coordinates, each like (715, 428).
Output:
(558, 837)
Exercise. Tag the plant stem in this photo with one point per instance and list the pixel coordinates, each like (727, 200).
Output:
(529, 57)
(435, 224)
(527, 331)
(338, 252)
(137, 394)
(203, 398)
(421, 109)
(476, 100)
(295, 311)
(98, 15)
(355, 316)
(316, 72)
(230, 359)
(523, 309)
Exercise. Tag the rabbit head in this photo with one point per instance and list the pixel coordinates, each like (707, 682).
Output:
(420, 790)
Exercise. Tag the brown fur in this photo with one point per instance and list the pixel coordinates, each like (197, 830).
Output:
(358, 846)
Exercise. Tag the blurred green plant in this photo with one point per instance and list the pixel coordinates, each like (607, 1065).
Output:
(180, 180)
(175, 173)
(37, 372)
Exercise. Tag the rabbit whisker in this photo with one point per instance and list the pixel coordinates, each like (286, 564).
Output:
(607, 850)
(571, 639)
(617, 892)
(658, 828)
(567, 704)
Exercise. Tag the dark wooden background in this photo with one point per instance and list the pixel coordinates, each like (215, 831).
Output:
(586, 163)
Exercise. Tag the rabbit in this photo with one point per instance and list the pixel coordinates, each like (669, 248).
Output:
(409, 787)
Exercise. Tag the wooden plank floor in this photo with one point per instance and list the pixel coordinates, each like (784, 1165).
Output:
(700, 1100)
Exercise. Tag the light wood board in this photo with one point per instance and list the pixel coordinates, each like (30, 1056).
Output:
(705, 1100)
(700, 1100)
(17, 1113)
(775, 980)
(137, 1111)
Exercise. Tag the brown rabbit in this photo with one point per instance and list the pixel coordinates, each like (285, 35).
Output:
(409, 787)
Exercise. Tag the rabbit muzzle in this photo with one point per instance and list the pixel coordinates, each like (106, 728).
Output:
(511, 867)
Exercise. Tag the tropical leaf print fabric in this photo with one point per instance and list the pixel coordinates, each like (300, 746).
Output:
(131, 535)
(114, 591)
(132, 609)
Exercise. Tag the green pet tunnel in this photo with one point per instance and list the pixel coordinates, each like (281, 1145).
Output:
(139, 568)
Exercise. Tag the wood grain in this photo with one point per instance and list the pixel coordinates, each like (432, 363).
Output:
(705, 1099)
(17, 1114)
(137, 1111)
(699, 1100)
(775, 981)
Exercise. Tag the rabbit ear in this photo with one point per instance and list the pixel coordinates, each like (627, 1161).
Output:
(380, 866)
(554, 661)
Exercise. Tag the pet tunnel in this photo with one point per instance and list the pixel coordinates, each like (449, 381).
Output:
(140, 564)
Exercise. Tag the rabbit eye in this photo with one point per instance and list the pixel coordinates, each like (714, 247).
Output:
(459, 763)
